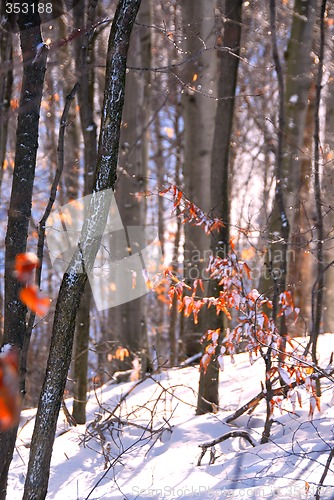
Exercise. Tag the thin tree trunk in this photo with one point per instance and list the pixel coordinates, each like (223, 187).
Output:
(317, 292)
(173, 337)
(208, 397)
(130, 318)
(160, 321)
(21, 199)
(6, 83)
(76, 274)
(281, 221)
(85, 57)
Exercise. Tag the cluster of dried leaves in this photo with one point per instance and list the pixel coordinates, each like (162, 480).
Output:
(256, 326)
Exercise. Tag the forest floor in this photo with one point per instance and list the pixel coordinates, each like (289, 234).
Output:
(149, 447)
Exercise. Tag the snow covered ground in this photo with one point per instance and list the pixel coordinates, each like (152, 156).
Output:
(151, 449)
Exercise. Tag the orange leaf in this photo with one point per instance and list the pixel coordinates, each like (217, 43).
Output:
(216, 225)
(25, 264)
(34, 300)
(206, 358)
(169, 131)
(247, 253)
(121, 353)
(188, 304)
(197, 283)
(196, 308)
(247, 270)
(14, 103)
(162, 193)
(178, 199)
(10, 401)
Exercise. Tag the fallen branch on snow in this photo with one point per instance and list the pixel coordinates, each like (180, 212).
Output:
(251, 405)
(211, 444)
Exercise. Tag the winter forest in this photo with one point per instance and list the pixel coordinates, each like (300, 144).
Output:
(167, 263)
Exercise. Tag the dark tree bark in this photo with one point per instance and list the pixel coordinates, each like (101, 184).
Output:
(6, 83)
(208, 384)
(74, 279)
(21, 199)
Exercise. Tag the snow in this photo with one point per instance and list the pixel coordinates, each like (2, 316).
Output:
(106, 460)
(6, 348)
(293, 99)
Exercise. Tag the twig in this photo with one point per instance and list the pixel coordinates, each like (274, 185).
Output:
(70, 420)
(124, 396)
(224, 437)
(324, 474)
(256, 400)
(111, 465)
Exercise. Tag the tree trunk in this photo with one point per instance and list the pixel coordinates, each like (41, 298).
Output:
(76, 274)
(328, 197)
(129, 318)
(279, 260)
(21, 199)
(6, 83)
(85, 69)
(199, 108)
(317, 290)
(208, 396)
(159, 319)
(172, 332)
(296, 167)
(280, 221)
(301, 262)
(199, 111)
(298, 63)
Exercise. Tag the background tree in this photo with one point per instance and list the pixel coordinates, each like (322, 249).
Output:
(199, 77)
(220, 202)
(291, 198)
(297, 138)
(327, 184)
(84, 57)
(129, 319)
